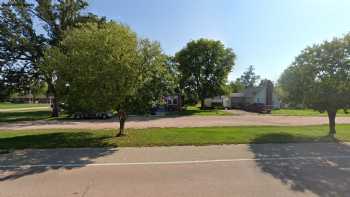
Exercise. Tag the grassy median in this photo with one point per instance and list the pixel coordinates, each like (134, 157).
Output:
(196, 111)
(63, 138)
(20, 105)
(28, 115)
(17, 113)
(304, 112)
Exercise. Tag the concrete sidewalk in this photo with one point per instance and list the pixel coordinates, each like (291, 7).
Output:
(318, 169)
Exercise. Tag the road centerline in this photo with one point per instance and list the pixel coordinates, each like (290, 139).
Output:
(174, 162)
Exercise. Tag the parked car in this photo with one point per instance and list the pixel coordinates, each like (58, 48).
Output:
(259, 108)
(92, 115)
(158, 111)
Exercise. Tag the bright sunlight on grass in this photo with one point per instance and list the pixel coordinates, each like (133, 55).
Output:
(15, 116)
(62, 138)
(303, 112)
(20, 105)
(10, 112)
(197, 111)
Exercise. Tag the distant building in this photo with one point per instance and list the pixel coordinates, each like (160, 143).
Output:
(213, 102)
(29, 98)
(261, 94)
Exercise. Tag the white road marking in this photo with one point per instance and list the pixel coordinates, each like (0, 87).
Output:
(174, 162)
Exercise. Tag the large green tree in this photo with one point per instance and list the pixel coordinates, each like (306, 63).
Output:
(155, 77)
(236, 86)
(95, 67)
(319, 78)
(204, 66)
(27, 28)
(4, 91)
(249, 78)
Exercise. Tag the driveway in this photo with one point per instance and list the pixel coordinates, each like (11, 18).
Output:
(246, 119)
(319, 169)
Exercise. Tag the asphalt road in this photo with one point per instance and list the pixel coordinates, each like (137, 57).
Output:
(319, 169)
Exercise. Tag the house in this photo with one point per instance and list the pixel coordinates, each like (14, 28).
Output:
(261, 94)
(212, 102)
(29, 98)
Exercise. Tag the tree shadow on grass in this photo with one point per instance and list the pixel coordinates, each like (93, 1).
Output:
(12, 165)
(322, 168)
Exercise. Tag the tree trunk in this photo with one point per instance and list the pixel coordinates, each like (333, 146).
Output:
(122, 119)
(55, 107)
(202, 104)
(331, 116)
(55, 104)
(121, 128)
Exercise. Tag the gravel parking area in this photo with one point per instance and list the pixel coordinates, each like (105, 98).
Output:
(179, 121)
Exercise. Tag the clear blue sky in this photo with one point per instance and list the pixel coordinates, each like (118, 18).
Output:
(264, 33)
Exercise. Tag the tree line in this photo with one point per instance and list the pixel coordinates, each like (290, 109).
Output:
(89, 62)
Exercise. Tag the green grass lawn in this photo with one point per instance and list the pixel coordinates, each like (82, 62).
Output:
(15, 116)
(28, 114)
(16, 112)
(303, 112)
(196, 111)
(44, 114)
(63, 138)
(20, 105)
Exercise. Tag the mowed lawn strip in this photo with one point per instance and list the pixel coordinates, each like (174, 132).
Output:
(35, 113)
(69, 138)
(24, 112)
(20, 105)
(196, 111)
(304, 112)
(28, 115)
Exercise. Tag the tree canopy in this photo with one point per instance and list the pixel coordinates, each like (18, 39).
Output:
(27, 28)
(203, 67)
(319, 78)
(249, 78)
(155, 78)
(95, 67)
(236, 86)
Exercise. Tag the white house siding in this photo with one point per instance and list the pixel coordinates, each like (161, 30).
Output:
(249, 96)
(260, 97)
(208, 102)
